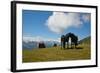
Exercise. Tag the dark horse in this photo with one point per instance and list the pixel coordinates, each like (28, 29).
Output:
(65, 38)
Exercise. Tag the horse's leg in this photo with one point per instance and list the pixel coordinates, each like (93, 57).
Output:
(75, 45)
(71, 45)
(64, 45)
(67, 45)
(61, 45)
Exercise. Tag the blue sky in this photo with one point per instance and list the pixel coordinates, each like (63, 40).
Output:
(46, 24)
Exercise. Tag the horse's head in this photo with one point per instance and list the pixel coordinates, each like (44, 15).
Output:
(62, 38)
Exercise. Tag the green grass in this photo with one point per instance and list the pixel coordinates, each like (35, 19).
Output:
(56, 54)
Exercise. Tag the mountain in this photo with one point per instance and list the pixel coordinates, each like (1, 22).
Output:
(34, 44)
(86, 40)
(29, 45)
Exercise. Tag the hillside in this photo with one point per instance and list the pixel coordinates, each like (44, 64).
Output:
(86, 40)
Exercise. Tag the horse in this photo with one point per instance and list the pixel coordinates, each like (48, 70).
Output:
(74, 40)
(62, 41)
(65, 38)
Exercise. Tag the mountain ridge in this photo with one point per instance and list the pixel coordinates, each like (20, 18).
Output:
(35, 44)
(86, 40)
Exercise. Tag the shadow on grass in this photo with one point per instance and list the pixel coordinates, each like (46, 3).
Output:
(79, 47)
(73, 48)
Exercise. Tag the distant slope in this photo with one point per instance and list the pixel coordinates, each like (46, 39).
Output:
(86, 40)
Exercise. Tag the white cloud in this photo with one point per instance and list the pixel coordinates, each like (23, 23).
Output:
(86, 17)
(59, 21)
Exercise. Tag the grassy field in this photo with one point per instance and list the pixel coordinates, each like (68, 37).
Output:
(82, 52)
